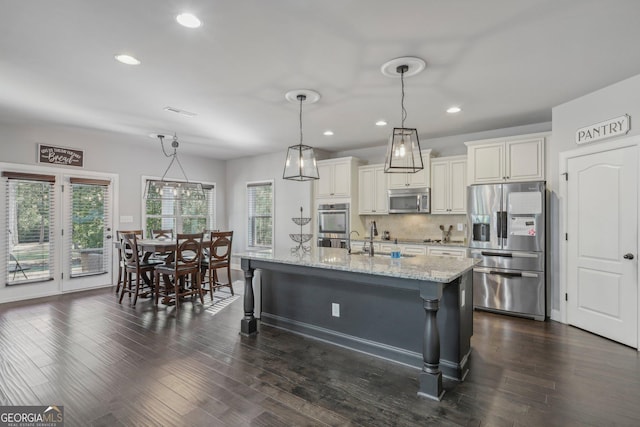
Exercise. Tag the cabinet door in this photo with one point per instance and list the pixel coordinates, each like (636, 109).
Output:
(457, 187)
(414, 250)
(450, 252)
(524, 160)
(366, 191)
(397, 180)
(439, 187)
(380, 196)
(324, 185)
(486, 163)
(418, 179)
(342, 179)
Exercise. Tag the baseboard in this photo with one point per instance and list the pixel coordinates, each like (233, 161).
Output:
(452, 370)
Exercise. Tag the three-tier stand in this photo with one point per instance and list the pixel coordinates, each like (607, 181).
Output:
(301, 238)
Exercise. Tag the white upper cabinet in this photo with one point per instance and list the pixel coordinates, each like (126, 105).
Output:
(337, 178)
(412, 180)
(506, 159)
(449, 185)
(372, 190)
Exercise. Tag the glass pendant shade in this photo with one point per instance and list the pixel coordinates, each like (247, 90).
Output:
(403, 152)
(300, 164)
(173, 190)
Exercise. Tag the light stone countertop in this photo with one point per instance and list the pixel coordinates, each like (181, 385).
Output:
(419, 267)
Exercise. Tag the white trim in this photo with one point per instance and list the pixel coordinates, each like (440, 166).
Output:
(564, 157)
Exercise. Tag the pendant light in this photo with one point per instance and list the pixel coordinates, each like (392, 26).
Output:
(403, 152)
(171, 189)
(300, 164)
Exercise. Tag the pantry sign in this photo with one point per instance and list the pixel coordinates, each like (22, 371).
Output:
(604, 130)
(60, 156)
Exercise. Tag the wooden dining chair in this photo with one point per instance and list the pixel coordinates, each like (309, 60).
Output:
(219, 256)
(121, 272)
(167, 234)
(134, 268)
(182, 276)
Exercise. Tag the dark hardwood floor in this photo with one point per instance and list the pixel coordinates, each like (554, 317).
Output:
(114, 365)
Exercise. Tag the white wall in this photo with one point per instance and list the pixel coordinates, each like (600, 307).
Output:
(115, 153)
(289, 197)
(612, 101)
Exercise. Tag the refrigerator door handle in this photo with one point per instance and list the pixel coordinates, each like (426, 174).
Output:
(499, 224)
(505, 273)
(504, 224)
(532, 275)
(504, 255)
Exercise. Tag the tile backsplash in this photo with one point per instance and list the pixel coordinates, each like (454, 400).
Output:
(417, 226)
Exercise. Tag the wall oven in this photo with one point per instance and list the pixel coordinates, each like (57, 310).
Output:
(409, 200)
(333, 225)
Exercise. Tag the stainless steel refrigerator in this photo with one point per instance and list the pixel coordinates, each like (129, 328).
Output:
(507, 234)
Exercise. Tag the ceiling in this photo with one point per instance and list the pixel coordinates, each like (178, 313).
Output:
(505, 62)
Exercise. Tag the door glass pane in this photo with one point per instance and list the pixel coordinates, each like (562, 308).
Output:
(30, 238)
(88, 210)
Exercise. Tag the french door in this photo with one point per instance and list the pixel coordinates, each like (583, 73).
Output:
(56, 229)
(87, 232)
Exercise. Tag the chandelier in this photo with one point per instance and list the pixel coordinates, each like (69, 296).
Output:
(173, 189)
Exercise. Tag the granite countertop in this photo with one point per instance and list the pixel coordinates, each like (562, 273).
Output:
(419, 267)
(406, 241)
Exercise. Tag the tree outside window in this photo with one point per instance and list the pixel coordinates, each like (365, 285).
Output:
(260, 225)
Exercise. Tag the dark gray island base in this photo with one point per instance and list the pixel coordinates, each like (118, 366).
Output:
(416, 311)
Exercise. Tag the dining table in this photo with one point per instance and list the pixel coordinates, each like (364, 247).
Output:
(149, 247)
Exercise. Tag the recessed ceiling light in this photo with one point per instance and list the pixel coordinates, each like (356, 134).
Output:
(381, 123)
(179, 111)
(328, 133)
(188, 20)
(127, 59)
(452, 110)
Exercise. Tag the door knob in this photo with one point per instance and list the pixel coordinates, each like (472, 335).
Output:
(628, 256)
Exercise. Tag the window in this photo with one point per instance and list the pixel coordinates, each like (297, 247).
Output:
(89, 211)
(30, 221)
(260, 210)
(182, 216)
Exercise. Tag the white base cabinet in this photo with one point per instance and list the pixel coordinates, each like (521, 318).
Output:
(449, 185)
(513, 159)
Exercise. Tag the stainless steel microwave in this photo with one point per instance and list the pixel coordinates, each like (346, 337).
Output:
(410, 200)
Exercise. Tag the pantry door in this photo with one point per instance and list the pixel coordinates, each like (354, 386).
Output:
(602, 243)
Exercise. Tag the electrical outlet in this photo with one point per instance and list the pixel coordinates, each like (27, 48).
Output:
(460, 226)
(335, 309)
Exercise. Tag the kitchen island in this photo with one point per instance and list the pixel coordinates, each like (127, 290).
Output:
(413, 310)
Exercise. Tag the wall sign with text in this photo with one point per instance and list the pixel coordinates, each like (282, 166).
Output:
(60, 156)
(603, 130)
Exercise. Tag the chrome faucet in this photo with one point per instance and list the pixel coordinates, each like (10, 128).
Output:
(373, 231)
(349, 240)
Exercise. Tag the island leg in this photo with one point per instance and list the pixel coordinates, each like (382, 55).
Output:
(431, 377)
(248, 324)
